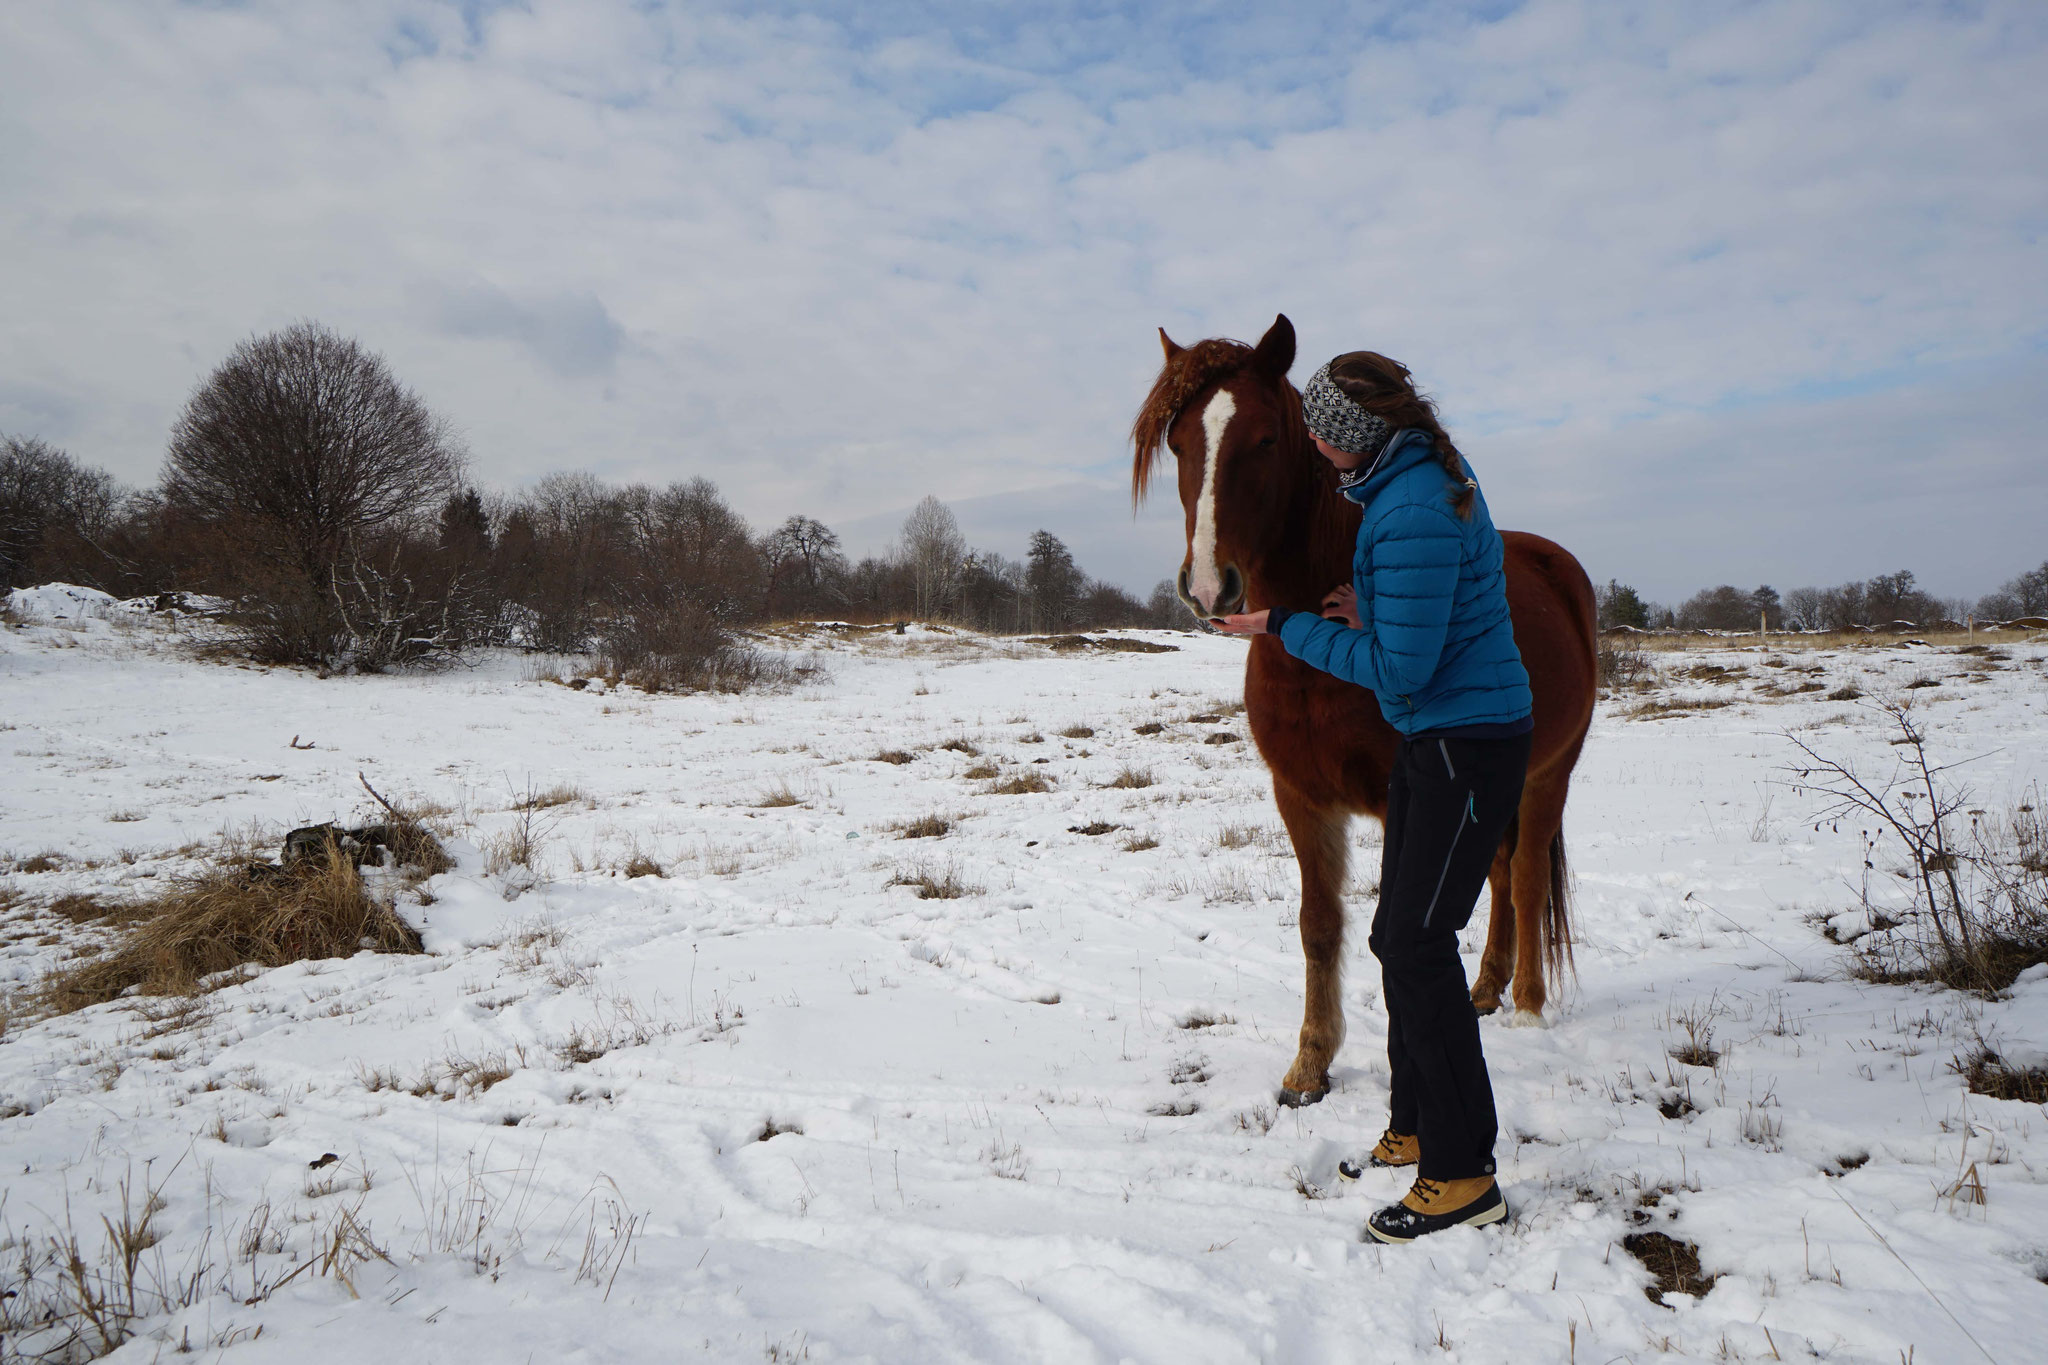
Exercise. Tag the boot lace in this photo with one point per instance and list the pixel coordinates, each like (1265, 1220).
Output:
(1427, 1191)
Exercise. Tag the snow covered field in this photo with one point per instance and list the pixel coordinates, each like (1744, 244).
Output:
(779, 1105)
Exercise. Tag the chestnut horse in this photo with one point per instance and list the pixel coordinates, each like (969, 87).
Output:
(1267, 527)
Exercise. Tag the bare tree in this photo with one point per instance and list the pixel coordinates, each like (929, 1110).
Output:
(304, 440)
(45, 494)
(935, 552)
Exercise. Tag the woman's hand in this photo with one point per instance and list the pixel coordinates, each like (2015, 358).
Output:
(1244, 623)
(1342, 605)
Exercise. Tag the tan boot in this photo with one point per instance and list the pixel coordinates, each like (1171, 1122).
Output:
(1433, 1205)
(1393, 1149)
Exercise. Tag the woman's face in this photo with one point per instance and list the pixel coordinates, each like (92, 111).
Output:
(1342, 459)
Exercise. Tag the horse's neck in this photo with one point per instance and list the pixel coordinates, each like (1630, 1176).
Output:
(1309, 549)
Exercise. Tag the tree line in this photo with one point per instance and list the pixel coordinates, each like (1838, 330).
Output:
(1887, 600)
(333, 512)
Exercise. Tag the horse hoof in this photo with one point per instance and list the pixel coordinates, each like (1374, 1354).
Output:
(1485, 1006)
(1297, 1099)
(1526, 1019)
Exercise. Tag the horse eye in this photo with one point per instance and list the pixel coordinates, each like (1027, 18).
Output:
(1266, 443)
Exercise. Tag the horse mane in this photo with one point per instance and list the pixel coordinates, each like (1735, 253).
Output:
(1180, 379)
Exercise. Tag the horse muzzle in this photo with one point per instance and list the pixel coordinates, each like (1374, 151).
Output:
(1229, 598)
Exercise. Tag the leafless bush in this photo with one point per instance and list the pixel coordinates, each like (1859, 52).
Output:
(1978, 908)
(684, 648)
(1624, 664)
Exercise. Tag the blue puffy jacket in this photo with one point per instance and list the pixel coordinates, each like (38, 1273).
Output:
(1437, 645)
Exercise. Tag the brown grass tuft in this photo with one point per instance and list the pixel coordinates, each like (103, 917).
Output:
(981, 772)
(924, 827)
(218, 921)
(1078, 732)
(1987, 1073)
(1024, 784)
(1675, 1264)
(1130, 778)
(896, 756)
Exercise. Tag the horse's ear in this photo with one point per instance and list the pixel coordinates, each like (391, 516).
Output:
(1167, 344)
(1274, 355)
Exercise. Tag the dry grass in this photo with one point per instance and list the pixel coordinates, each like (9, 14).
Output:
(924, 827)
(640, 865)
(561, 794)
(1024, 784)
(1673, 706)
(221, 920)
(189, 939)
(41, 862)
(1078, 732)
(1674, 1264)
(1138, 843)
(1131, 778)
(1987, 1073)
(961, 746)
(1094, 827)
(778, 796)
(981, 772)
(934, 883)
(895, 756)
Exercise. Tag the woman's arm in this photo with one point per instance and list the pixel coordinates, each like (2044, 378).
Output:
(1417, 552)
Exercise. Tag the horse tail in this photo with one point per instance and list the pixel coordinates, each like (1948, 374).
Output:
(1557, 917)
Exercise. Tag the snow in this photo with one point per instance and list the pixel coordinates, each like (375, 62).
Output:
(773, 1106)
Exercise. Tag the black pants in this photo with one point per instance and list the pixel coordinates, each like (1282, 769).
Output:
(1448, 804)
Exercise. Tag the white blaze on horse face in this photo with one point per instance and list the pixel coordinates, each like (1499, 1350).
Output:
(1205, 575)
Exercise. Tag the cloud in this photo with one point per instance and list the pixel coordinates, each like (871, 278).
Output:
(570, 334)
(837, 261)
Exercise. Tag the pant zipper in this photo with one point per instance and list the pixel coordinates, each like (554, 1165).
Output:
(1468, 815)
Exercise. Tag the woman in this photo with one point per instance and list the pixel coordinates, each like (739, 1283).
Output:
(1423, 625)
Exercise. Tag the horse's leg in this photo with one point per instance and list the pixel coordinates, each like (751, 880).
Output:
(1497, 963)
(1541, 816)
(1318, 833)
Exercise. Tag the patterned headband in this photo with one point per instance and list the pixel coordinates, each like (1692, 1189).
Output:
(1332, 415)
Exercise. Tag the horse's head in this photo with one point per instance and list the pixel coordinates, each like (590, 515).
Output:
(1232, 423)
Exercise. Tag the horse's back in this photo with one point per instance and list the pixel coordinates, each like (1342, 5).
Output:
(1550, 598)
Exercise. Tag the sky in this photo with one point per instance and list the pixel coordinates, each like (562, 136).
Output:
(1733, 292)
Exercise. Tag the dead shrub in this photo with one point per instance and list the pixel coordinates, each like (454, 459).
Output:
(1847, 692)
(664, 647)
(640, 865)
(1624, 665)
(1978, 914)
(1078, 732)
(41, 862)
